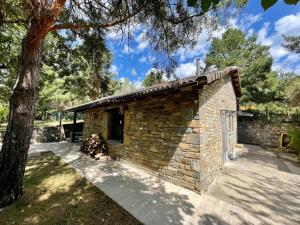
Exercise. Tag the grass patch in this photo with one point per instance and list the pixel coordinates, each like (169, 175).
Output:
(55, 194)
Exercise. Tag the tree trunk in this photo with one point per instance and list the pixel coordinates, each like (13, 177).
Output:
(62, 135)
(13, 155)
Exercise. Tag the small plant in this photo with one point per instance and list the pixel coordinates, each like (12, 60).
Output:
(3, 113)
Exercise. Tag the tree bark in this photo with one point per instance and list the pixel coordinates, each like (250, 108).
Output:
(13, 155)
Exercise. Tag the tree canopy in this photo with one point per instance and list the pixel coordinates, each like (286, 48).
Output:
(69, 75)
(292, 43)
(259, 83)
(153, 77)
(294, 92)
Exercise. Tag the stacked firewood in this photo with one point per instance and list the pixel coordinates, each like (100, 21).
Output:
(96, 147)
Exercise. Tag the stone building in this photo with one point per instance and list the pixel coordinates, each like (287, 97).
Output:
(181, 131)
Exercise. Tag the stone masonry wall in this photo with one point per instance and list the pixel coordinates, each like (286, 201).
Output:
(41, 135)
(212, 99)
(262, 133)
(166, 136)
(161, 134)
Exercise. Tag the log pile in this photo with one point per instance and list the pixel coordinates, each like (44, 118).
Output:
(96, 147)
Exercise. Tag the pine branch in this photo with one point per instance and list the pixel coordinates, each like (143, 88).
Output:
(17, 21)
(89, 25)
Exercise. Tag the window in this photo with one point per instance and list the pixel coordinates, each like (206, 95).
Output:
(116, 124)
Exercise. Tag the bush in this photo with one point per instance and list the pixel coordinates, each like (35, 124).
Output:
(3, 113)
(296, 136)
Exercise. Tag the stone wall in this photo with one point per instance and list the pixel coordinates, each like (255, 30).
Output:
(263, 133)
(41, 135)
(176, 137)
(49, 134)
(212, 99)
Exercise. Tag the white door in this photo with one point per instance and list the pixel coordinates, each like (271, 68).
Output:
(228, 126)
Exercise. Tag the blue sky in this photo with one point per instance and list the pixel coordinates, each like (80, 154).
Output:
(134, 59)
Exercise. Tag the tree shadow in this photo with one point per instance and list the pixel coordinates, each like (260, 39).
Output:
(258, 184)
(286, 163)
(146, 197)
(253, 184)
(208, 219)
(54, 193)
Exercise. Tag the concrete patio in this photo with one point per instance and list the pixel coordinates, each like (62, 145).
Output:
(255, 189)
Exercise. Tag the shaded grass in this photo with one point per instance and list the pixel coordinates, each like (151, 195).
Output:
(55, 194)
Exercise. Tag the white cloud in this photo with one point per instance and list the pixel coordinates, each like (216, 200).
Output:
(138, 83)
(151, 70)
(247, 20)
(142, 59)
(148, 59)
(250, 32)
(288, 64)
(114, 34)
(200, 48)
(127, 49)
(151, 59)
(262, 35)
(117, 32)
(286, 67)
(122, 79)
(185, 69)
(288, 25)
(114, 69)
(277, 51)
(142, 45)
(141, 41)
(203, 42)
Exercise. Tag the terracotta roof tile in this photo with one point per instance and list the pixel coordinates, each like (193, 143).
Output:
(204, 78)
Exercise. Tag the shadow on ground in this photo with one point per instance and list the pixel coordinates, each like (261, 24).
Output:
(146, 197)
(255, 189)
(54, 193)
(266, 187)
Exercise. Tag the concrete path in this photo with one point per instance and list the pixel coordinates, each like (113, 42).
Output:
(149, 199)
(256, 189)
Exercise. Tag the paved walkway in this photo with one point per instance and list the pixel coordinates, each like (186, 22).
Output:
(256, 189)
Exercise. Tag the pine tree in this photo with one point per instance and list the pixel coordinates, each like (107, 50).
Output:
(259, 82)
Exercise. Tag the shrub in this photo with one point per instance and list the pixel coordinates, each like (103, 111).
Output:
(3, 113)
(296, 137)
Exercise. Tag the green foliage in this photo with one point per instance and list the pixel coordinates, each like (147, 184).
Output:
(293, 91)
(192, 3)
(3, 113)
(10, 46)
(154, 77)
(206, 5)
(126, 86)
(296, 138)
(259, 83)
(291, 2)
(266, 4)
(292, 43)
(69, 75)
